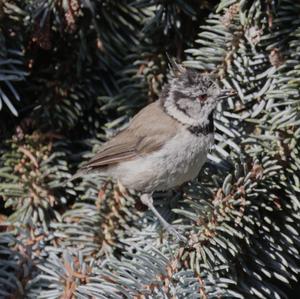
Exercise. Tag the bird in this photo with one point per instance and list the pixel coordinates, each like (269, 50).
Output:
(166, 143)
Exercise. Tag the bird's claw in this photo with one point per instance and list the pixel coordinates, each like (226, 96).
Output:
(179, 237)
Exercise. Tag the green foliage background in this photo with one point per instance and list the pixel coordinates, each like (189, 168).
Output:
(72, 73)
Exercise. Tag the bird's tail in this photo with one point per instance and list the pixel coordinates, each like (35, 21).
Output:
(87, 173)
(80, 173)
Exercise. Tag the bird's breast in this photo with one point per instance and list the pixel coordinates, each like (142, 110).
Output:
(185, 156)
(178, 161)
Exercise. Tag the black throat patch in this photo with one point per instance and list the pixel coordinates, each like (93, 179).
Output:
(203, 130)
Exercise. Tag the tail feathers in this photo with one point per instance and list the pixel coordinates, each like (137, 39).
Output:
(80, 173)
(86, 172)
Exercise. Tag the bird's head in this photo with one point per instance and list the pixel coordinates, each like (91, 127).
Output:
(191, 96)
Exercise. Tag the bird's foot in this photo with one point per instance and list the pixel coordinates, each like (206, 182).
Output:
(172, 230)
(147, 200)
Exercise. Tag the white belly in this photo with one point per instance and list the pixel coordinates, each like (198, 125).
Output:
(178, 161)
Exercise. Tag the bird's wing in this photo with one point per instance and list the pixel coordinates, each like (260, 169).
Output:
(148, 131)
(114, 151)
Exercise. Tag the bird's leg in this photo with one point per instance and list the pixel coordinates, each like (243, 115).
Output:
(147, 200)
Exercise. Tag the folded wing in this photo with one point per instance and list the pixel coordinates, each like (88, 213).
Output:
(149, 130)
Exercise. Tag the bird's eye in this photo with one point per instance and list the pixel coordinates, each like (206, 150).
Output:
(202, 97)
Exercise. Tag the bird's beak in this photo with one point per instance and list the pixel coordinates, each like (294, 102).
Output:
(225, 93)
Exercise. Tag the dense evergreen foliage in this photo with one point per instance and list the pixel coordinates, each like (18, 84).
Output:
(72, 73)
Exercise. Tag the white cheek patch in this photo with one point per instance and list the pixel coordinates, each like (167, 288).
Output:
(183, 109)
(173, 111)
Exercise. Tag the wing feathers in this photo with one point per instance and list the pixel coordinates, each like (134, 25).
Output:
(149, 130)
(110, 159)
